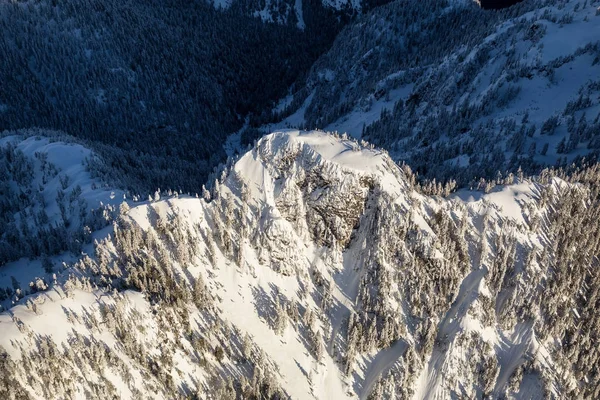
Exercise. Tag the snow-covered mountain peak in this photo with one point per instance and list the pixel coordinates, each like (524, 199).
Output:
(316, 268)
(318, 182)
(287, 153)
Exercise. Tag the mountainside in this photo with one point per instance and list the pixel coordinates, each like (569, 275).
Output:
(458, 92)
(150, 85)
(317, 268)
(49, 200)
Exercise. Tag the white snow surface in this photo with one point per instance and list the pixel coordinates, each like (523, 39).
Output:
(244, 292)
(68, 160)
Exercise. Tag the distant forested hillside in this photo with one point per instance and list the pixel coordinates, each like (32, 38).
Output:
(460, 93)
(155, 86)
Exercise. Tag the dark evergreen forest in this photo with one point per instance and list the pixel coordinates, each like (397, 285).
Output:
(153, 86)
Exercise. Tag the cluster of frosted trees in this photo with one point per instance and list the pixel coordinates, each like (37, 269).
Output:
(26, 229)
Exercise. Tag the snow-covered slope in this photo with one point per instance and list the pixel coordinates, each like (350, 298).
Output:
(316, 269)
(50, 204)
(456, 91)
